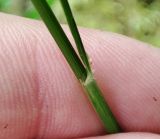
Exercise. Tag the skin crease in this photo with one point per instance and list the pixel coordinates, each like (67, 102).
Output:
(40, 97)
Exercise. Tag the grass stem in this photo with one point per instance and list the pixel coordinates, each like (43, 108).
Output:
(100, 106)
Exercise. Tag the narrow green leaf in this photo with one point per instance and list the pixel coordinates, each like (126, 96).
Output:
(75, 33)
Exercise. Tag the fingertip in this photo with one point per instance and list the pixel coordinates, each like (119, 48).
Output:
(126, 70)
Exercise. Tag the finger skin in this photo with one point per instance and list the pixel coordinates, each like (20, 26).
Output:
(41, 98)
(128, 136)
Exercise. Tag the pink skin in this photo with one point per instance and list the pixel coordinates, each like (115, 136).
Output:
(40, 98)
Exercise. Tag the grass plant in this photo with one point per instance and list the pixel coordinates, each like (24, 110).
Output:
(79, 64)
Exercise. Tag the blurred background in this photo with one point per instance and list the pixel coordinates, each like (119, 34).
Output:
(139, 19)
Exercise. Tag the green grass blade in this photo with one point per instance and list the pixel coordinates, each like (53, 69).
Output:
(75, 33)
(60, 38)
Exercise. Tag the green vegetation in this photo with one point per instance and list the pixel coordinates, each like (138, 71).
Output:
(81, 68)
(136, 18)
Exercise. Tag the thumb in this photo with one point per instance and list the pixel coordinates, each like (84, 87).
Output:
(41, 98)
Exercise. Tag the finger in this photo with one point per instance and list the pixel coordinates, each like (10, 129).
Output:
(128, 136)
(43, 99)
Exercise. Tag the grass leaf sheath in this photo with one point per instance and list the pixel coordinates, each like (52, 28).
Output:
(81, 70)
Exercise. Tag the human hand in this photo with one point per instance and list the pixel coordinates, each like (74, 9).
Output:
(41, 98)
